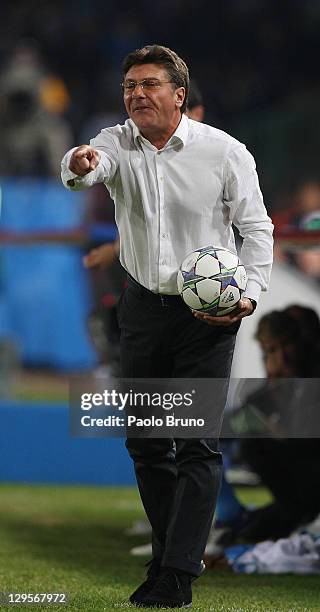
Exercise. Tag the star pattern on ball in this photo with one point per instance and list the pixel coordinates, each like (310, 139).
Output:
(212, 279)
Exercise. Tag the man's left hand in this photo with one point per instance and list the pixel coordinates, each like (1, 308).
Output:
(244, 309)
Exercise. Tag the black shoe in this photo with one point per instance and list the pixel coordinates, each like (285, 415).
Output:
(144, 588)
(172, 590)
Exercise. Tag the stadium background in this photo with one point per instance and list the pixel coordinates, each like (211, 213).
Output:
(256, 64)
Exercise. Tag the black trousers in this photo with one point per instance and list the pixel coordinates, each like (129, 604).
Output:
(178, 479)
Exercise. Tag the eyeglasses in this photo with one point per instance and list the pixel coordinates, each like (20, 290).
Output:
(147, 84)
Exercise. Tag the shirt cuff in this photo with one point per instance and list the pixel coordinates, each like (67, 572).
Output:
(74, 181)
(67, 173)
(253, 290)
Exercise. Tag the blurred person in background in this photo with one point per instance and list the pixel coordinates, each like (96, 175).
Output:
(25, 68)
(304, 201)
(33, 134)
(295, 227)
(308, 198)
(283, 452)
(176, 478)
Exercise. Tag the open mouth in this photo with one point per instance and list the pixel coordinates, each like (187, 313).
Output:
(142, 108)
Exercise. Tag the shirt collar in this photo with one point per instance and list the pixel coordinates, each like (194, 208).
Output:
(181, 133)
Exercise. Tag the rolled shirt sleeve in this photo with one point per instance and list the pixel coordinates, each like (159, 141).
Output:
(248, 213)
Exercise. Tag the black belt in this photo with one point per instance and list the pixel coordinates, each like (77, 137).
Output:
(163, 298)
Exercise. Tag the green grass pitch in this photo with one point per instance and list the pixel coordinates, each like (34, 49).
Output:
(56, 539)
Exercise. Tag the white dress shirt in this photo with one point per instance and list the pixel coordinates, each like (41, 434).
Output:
(172, 201)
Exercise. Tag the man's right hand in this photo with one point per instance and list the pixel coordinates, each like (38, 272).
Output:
(83, 160)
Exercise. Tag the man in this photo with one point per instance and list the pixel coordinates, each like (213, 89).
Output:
(106, 254)
(177, 185)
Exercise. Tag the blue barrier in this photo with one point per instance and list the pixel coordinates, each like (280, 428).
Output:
(39, 204)
(45, 293)
(36, 447)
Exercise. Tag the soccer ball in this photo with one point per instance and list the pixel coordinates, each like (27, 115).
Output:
(212, 280)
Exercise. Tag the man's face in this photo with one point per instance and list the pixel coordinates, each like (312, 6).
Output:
(153, 109)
